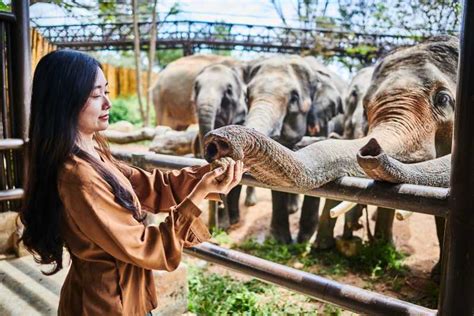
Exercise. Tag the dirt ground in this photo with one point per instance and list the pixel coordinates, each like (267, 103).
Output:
(415, 236)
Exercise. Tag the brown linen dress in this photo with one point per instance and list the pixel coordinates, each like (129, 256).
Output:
(112, 254)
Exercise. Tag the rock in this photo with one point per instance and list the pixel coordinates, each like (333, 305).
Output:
(172, 291)
(348, 247)
(7, 229)
(121, 126)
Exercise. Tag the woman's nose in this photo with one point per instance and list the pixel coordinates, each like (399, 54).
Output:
(107, 104)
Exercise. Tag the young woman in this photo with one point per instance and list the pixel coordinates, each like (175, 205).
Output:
(79, 197)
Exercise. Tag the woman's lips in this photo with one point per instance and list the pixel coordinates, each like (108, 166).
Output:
(104, 117)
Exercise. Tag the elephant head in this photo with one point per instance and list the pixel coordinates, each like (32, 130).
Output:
(409, 107)
(355, 118)
(327, 98)
(219, 97)
(279, 93)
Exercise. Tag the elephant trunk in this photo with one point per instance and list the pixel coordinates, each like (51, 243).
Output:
(273, 164)
(207, 112)
(380, 166)
(265, 116)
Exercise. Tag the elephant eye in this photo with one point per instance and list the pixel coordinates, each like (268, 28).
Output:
(443, 99)
(294, 96)
(229, 90)
(196, 87)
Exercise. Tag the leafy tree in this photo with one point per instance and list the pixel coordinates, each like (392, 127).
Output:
(4, 6)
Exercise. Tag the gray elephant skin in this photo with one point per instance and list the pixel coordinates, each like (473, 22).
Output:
(410, 111)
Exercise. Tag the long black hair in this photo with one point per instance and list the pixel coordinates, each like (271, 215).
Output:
(62, 83)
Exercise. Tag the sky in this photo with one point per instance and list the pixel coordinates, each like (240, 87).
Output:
(233, 11)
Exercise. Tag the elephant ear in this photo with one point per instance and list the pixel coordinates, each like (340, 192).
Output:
(251, 68)
(307, 76)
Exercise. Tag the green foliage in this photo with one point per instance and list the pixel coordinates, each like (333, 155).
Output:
(221, 237)
(373, 259)
(4, 7)
(166, 56)
(377, 257)
(125, 109)
(332, 310)
(214, 294)
(272, 250)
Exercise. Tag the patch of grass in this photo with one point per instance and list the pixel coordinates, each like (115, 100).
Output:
(274, 251)
(374, 259)
(214, 294)
(379, 257)
(332, 310)
(221, 237)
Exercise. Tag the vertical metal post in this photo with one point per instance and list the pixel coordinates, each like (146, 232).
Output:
(457, 287)
(21, 67)
(20, 85)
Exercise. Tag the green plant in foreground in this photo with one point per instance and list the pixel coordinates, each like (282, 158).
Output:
(272, 250)
(214, 294)
(373, 259)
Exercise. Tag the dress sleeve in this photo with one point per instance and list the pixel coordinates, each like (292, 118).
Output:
(159, 191)
(90, 205)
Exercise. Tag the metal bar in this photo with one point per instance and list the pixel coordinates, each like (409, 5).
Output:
(21, 67)
(346, 296)
(14, 194)
(416, 198)
(3, 79)
(7, 16)
(457, 285)
(11, 143)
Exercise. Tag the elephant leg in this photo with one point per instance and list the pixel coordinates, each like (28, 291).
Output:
(233, 204)
(351, 221)
(280, 226)
(325, 237)
(309, 218)
(218, 215)
(293, 203)
(250, 197)
(440, 227)
(384, 224)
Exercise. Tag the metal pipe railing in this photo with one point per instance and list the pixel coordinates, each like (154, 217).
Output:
(14, 194)
(347, 296)
(11, 143)
(416, 198)
(7, 16)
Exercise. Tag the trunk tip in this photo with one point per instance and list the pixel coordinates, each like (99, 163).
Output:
(368, 156)
(372, 148)
(216, 149)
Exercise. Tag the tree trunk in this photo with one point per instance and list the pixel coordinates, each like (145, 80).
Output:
(136, 46)
(151, 61)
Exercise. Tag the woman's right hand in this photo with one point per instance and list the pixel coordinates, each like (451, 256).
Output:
(218, 181)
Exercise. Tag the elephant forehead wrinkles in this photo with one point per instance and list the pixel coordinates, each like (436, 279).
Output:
(407, 110)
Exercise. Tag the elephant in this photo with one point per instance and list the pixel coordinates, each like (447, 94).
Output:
(282, 92)
(173, 88)
(352, 124)
(328, 105)
(219, 99)
(355, 119)
(410, 113)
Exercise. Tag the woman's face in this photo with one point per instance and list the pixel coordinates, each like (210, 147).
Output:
(94, 115)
